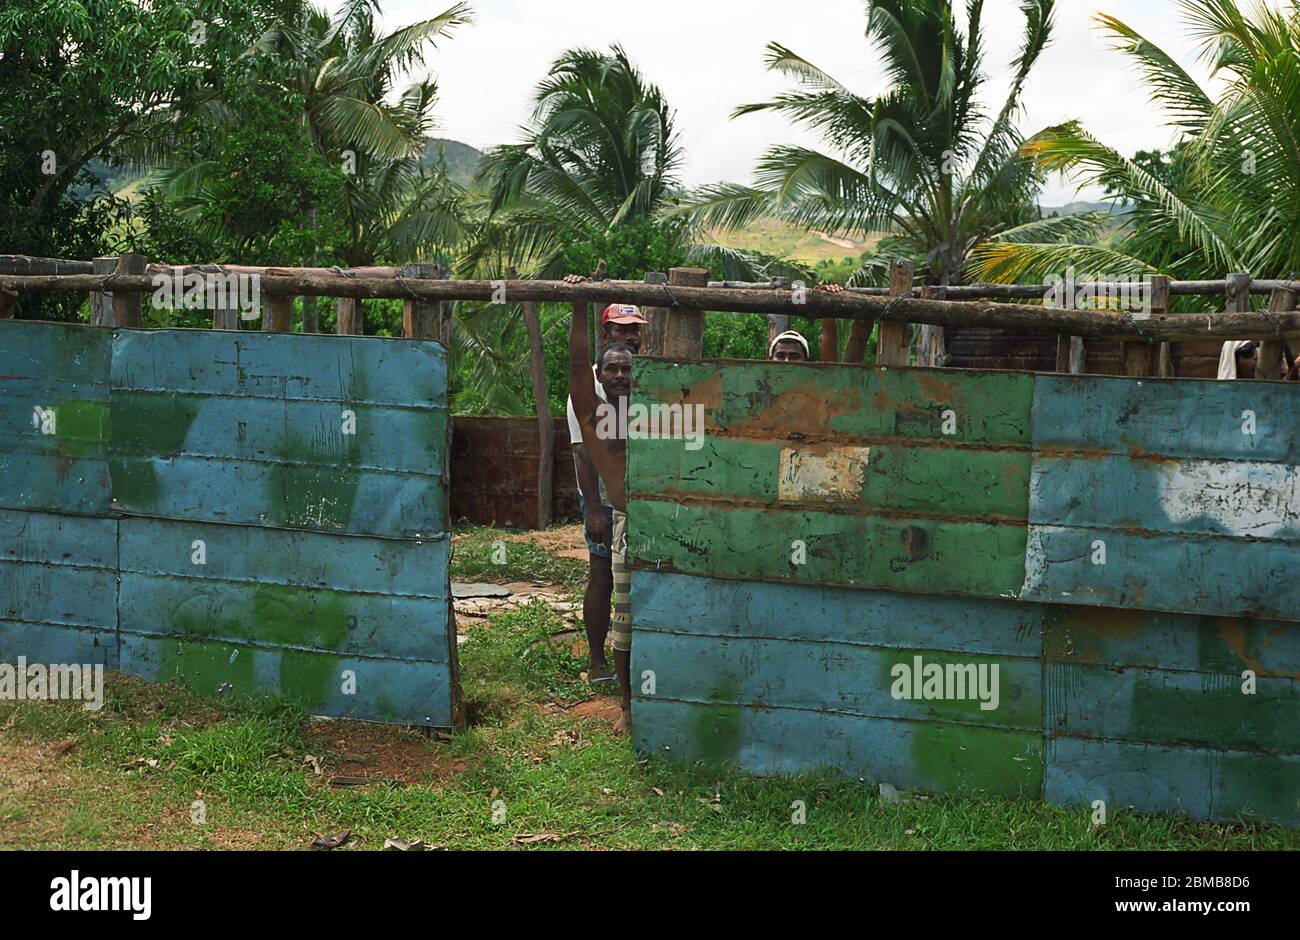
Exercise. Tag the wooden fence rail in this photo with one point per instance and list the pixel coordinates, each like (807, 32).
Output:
(811, 304)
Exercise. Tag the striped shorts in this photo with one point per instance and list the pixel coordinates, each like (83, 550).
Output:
(620, 624)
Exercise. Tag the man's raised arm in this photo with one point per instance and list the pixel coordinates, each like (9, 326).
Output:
(582, 382)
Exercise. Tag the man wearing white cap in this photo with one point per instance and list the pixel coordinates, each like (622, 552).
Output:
(789, 346)
(619, 323)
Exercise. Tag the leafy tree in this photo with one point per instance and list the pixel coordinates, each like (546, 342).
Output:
(1228, 197)
(85, 81)
(344, 74)
(601, 151)
(921, 160)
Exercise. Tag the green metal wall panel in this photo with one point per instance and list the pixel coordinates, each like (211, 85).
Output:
(1140, 536)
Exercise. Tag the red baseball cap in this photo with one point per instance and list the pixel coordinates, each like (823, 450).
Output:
(622, 313)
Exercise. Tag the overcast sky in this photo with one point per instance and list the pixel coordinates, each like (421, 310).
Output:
(707, 56)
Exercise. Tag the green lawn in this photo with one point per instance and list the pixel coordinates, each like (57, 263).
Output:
(128, 775)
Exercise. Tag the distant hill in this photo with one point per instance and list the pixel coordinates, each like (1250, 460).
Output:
(461, 160)
(1076, 208)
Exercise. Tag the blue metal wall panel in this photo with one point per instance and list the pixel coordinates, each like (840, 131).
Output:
(324, 553)
(63, 369)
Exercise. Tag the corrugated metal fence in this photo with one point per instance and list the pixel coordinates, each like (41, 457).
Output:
(246, 512)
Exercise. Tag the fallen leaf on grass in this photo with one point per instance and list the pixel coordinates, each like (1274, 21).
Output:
(315, 763)
(325, 843)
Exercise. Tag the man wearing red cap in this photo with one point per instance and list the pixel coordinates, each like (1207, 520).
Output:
(620, 324)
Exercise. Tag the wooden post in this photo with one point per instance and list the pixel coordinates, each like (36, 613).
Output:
(228, 317)
(310, 319)
(1141, 357)
(545, 424)
(421, 319)
(929, 345)
(1160, 307)
(684, 329)
(777, 323)
(891, 348)
(1269, 366)
(1237, 292)
(652, 334)
(101, 303)
(127, 304)
(855, 347)
(349, 321)
(279, 317)
(1063, 353)
(830, 340)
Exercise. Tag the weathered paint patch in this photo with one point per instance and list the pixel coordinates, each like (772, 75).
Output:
(841, 678)
(380, 689)
(1216, 575)
(912, 754)
(899, 553)
(1240, 499)
(957, 482)
(47, 644)
(1206, 783)
(834, 474)
(1184, 418)
(818, 614)
(1169, 708)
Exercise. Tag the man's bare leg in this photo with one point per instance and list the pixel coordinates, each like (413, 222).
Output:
(595, 614)
(623, 666)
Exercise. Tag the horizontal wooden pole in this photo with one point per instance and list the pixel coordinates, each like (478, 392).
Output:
(27, 264)
(814, 305)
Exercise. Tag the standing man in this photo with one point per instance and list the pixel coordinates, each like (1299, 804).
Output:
(620, 323)
(608, 451)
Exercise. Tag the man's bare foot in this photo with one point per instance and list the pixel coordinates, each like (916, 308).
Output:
(623, 725)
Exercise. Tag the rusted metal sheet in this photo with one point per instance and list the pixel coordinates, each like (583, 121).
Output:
(494, 464)
(271, 518)
(836, 524)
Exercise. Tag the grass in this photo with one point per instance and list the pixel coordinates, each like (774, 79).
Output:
(130, 775)
(498, 556)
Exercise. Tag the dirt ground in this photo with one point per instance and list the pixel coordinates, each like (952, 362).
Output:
(563, 542)
(352, 753)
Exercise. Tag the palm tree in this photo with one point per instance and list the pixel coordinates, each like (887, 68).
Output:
(1230, 198)
(344, 75)
(600, 150)
(922, 160)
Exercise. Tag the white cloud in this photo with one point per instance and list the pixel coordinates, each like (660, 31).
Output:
(707, 55)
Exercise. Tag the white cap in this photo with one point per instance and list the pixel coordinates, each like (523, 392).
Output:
(787, 335)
